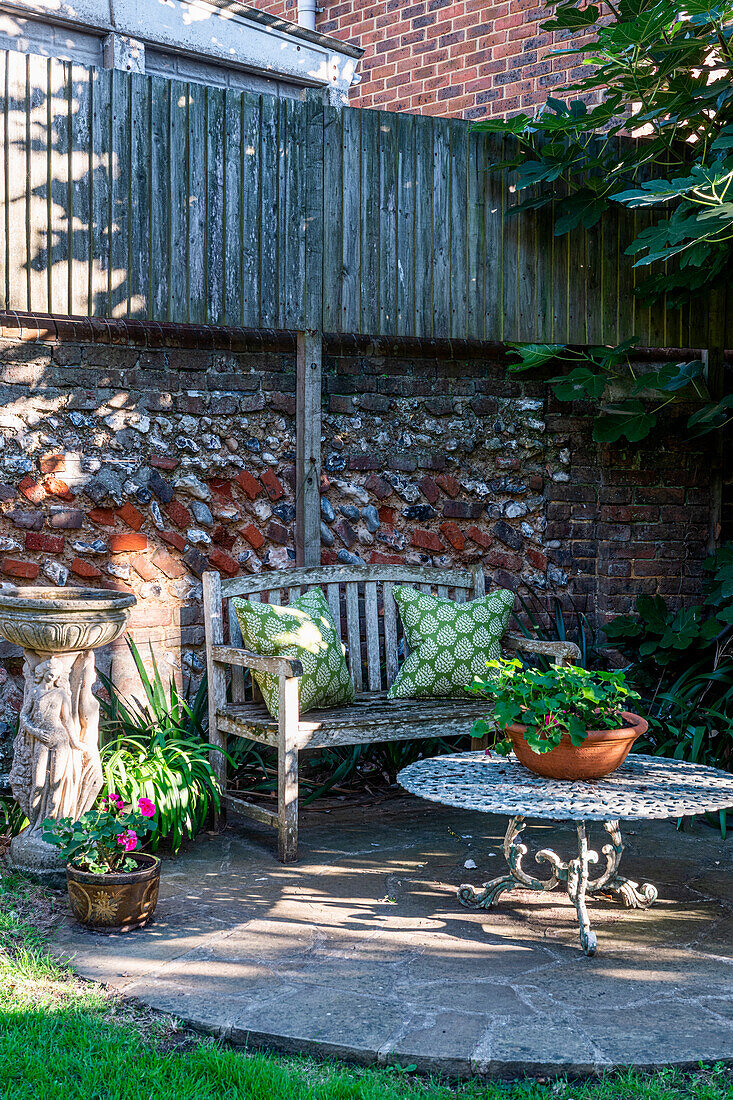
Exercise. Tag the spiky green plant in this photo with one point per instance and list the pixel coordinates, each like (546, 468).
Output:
(156, 748)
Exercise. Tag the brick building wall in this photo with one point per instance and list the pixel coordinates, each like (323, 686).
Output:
(136, 456)
(462, 58)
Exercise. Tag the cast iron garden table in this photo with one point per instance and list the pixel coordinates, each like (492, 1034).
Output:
(643, 787)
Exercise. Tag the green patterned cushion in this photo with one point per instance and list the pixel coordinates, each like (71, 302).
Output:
(449, 642)
(304, 629)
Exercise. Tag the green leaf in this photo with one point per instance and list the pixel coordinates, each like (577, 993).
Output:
(629, 419)
(535, 355)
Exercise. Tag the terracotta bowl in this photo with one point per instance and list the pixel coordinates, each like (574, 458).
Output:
(600, 754)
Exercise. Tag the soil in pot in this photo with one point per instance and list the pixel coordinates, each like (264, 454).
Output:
(115, 903)
(600, 754)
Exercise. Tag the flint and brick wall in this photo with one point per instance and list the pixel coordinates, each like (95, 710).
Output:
(132, 461)
(459, 58)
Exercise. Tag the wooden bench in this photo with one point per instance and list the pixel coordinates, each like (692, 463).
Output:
(361, 597)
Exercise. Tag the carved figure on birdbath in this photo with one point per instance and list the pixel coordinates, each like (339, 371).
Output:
(56, 770)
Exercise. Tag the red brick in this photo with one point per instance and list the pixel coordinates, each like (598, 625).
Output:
(178, 513)
(223, 562)
(483, 538)
(378, 486)
(127, 541)
(168, 565)
(426, 540)
(253, 536)
(448, 484)
(85, 569)
(27, 570)
(378, 558)
(221, 488)
(144, 567)
(386, 516)
(454, 535)
(249, 484)
(49, 544)
(103, 517)
(429, 489)
(173, 539)
(537, 558)
(328, 557)
(163, 463)
(57, 488)
(31, 490)
(272, 485)
(504, 559)
(131, 515)
(52, 464)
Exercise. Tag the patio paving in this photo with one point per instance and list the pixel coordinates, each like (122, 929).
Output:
(361, 950)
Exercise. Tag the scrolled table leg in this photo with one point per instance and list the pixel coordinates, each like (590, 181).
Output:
(514, 851)
(632, 894)
(578, 886)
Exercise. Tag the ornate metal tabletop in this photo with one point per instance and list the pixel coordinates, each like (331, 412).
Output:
(643, 787)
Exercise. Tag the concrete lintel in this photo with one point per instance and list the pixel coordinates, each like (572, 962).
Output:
(122, 52)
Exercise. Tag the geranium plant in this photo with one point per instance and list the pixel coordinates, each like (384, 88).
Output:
(103, 838)
(562, 700)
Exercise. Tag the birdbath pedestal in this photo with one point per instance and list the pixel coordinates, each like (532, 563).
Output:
(56, 770)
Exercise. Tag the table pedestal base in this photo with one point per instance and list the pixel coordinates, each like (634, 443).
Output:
(575, 875)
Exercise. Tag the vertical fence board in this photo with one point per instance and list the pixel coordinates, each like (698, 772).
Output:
(441, 227)
(388, 223)
(140, 196)
(406, 225)
(458, 226)
(233, 216)
(369, 222)
(81, 205)
(215, 205)
(423, 226)
(350, 320)
(314, 215)
(160, 198)
(251, 182)
(120, 193)
(4, 184)
(177, 288)
(295, 229)
(333, 226)
(38, 158)
(17, 224)
(60, 228)
(196, 235)
(268, 213)
(101, 125)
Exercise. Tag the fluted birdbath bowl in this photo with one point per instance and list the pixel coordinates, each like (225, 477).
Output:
(56, 769)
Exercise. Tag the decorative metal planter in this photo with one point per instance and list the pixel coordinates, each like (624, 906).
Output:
(115, 903)
(600, 754)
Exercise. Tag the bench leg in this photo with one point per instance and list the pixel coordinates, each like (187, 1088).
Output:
(287, 806)
(287, 771)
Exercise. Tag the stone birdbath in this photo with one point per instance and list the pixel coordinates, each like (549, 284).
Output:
(57, 771)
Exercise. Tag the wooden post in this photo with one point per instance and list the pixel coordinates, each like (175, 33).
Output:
(287, 770)
(214, 628)
(308, 449)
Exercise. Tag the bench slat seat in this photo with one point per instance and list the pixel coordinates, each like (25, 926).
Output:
(371, 717)
(361, 599)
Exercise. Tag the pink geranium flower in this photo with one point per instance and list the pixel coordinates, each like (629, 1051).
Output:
(115, 802)
(146, 807)
(128, 840)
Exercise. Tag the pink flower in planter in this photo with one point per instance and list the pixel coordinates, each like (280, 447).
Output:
(146, 807)
(128, 840)
(115, 802)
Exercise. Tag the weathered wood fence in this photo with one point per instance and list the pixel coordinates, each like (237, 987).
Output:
(136, 196)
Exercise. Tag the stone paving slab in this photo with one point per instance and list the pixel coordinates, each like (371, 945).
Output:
(362, 951)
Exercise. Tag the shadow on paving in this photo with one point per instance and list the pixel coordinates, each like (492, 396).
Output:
(361, 949)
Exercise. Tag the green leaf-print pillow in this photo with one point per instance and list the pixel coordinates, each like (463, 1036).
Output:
(304, 629)
(449, 642)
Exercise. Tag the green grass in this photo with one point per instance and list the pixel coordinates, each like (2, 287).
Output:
(63, 1039)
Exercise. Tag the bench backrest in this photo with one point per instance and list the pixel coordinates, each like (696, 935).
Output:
(361, 600)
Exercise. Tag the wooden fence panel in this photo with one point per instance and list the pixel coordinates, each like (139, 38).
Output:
(136, 196)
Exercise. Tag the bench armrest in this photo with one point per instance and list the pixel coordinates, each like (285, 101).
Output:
(563, 653)
(276, 666)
